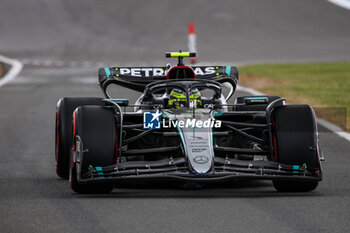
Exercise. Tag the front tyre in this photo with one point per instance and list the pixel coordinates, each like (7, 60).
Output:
(63, 130)
(294, 186)
(96, 127)
(295, 142)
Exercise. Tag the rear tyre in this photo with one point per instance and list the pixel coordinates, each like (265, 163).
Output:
(295, 141)
(63, 131)
(96, 127)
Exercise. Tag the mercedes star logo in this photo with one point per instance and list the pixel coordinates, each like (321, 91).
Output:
(201, 159)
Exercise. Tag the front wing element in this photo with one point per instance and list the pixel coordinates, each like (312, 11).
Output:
(176, 169)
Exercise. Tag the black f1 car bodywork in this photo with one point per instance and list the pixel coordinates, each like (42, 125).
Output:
(99, 143)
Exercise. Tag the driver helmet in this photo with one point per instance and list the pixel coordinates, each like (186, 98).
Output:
(177, 99)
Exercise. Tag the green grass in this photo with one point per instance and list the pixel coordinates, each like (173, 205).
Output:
(317, 84)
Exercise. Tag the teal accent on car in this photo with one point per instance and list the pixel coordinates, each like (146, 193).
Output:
(100, 171)
(296, 167)
(228, 70)
(217, 114)
(256, 98)
(108, 72)
(181, 136)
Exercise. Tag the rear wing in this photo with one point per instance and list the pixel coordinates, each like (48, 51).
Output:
(137, 78)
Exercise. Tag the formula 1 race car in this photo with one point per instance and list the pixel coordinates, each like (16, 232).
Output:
(182, 128)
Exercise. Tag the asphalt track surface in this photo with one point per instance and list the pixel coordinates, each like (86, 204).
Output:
(34, 199)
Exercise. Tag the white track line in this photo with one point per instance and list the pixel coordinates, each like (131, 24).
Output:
(333, 128)
(342, 3)
(16, 67)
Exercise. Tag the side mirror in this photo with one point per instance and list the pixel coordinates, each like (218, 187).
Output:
(121, 102)
(255, 100)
